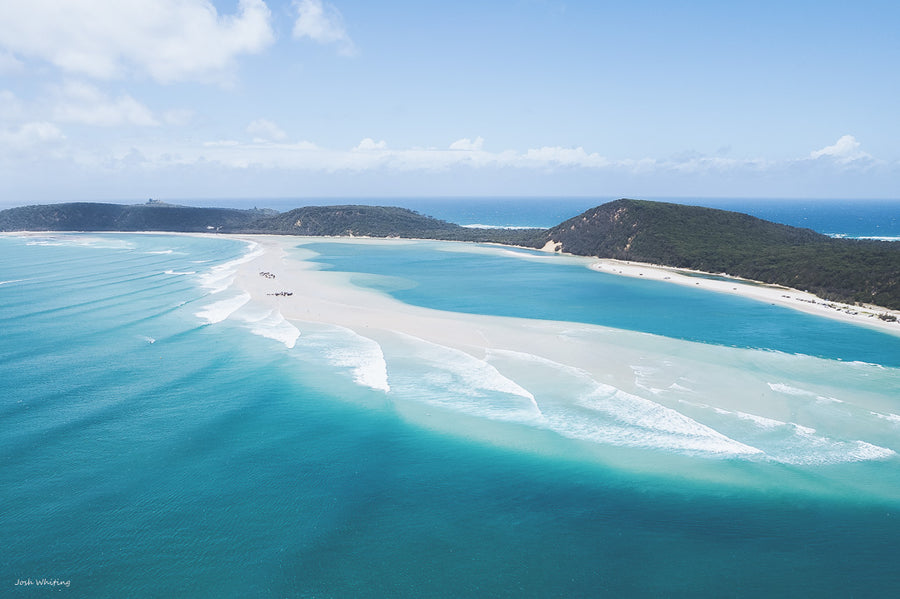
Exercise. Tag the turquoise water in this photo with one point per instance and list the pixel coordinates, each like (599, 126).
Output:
(520, 283)
(158, 444)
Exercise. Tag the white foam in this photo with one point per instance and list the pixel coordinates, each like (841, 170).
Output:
(818, 450)
(768, 423)
(605, 414)
(365, 359)
(760, 421)
(866, 451)
(160, 252)
(222, 309)
(221, 277)
(662, 426)
(273, 325)
(789, 390)
(823, 400)
(458, 381)
(12, 281)
(78, 240)
(895, 418)
(796, 444)
(175, 272)
(479, 226)
(475, 373)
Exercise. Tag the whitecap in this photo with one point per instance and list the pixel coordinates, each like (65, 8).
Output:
(517, 227)
(361, 355)
(77, 240)
(864, 451)
(458, 381)
(475, 373)
(895, 418)
(272, 325)
(222, 309)
(789, 390)
(220, 277)
(792, 443)
(601, 413)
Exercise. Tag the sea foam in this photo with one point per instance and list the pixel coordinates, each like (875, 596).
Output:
(441, 375)
(576, 405)
(221, 277)
(270, 324)
(222, 309)
(361, 357)
(792, 443)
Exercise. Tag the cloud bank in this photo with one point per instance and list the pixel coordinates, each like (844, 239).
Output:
(166, 40)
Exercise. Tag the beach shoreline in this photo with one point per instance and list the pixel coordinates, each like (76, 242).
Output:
(601, 386)
(867, 315)
(864, 314)
(861, 315)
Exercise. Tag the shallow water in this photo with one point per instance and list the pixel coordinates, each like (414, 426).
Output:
(164, 436)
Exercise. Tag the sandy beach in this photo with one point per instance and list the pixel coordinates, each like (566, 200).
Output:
(784, 296)
(635, 370)
(328, 297)
(371, 308)
(274, 259)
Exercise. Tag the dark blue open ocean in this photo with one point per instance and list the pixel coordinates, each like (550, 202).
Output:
(161, 437)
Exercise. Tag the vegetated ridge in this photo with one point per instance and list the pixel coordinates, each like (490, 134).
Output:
(720, 241)
(704, 239)
(152, 216)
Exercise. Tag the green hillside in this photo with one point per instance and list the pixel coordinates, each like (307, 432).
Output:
(153, 216)
(719, 241)
(704, 239)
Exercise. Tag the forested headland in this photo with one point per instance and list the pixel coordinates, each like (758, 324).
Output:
(674, 235)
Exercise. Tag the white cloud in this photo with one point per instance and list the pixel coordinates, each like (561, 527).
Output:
(222, 143)
(169, 40)
(30, 135)
(556, 155)
(370, 145)
(557, 165)
(844, 151)
(85, 104)
(323, 23)
(264, 130)
(9, 64)
(466, 144)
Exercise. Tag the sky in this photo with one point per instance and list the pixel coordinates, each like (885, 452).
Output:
(124, 100)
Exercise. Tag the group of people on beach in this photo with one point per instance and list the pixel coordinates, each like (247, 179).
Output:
(271, 275)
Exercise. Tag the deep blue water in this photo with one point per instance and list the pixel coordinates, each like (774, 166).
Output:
(146, 453)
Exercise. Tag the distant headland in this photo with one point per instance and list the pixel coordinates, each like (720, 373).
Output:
(674, 235)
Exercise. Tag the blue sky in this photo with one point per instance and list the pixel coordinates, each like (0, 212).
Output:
(121, 100)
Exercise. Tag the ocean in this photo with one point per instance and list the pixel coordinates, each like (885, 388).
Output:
(164, 435)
